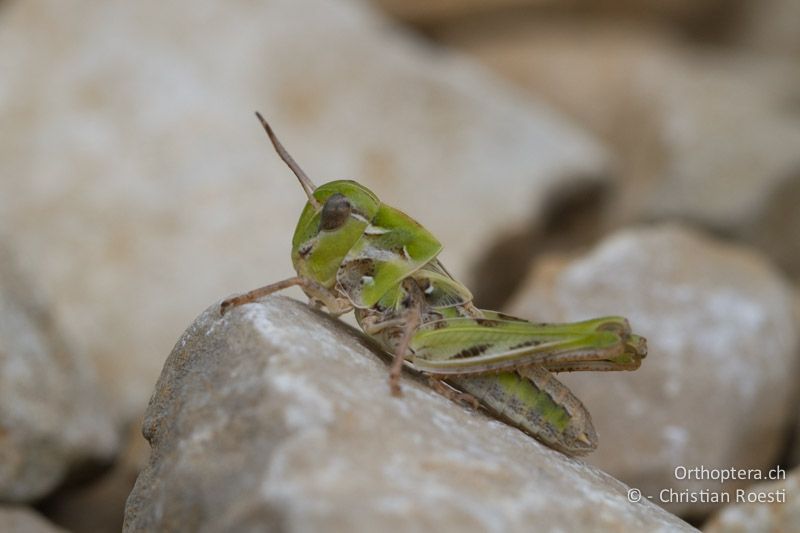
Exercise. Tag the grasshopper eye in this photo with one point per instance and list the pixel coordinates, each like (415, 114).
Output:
(335, 212)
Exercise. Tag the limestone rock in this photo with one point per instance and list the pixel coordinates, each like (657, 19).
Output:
(780, 514)
(794, 454)
(420, 11)
(717, 387)
(98, 505)
(770, 26)
(14, 519)
(142, 186)
(277, 417)
(433, 13)
(700, 135)
(52, 418)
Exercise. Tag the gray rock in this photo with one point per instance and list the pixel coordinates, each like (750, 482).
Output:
(778, 510)
(52, 418)
(18, 519)
(276, 417)
(794, 454)
(707, 136)
(98, 505)
(421, 11)
(437, 13)
(770, 26)
(128, 129)
(718, 384)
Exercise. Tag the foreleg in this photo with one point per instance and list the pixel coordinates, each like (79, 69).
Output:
(255, 294)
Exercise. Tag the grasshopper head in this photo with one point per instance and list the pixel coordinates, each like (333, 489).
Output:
(327, 231)
(334, 218)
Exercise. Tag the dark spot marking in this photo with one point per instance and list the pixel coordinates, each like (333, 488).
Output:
(431, 316)
(357, 211)
(525, 344)
(472, 351)
(402, 251)
(305, 249)
(504, 316)
(363, 266)
(486, 322)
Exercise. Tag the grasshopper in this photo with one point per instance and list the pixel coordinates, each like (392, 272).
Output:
(352, 252)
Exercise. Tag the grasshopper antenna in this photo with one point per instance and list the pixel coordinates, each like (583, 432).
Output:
(306, 183)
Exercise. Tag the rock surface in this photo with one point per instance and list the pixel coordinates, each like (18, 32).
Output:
(52, 418)
(443, 11)
(770, 26)
(717, 387)
(15, 519)
(279, 417)
(439, 10)
(98, 505)
(708, 136)
(778, 516)
(142, 186)
(794, 455)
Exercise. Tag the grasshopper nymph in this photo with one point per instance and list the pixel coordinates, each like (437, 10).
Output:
(353, 252)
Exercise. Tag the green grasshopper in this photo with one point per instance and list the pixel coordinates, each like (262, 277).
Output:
(353, 252)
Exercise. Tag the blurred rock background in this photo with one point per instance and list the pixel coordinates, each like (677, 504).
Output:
(576, 158)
